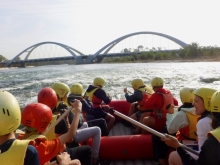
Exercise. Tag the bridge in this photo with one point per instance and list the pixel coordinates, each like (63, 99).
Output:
(78, 56)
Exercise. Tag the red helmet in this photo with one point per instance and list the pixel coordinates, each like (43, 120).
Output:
(48, 97)
(36, 115)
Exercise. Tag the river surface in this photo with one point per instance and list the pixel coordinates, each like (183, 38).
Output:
(25, 83)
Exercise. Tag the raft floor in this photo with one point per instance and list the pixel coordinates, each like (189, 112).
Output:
(120, 129)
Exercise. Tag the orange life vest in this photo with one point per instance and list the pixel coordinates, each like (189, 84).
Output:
(144, 98)
(95, 101)
(167, 99)
(188, 132)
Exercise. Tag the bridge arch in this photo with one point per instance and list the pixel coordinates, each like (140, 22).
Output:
(33, 47)
(110, 45)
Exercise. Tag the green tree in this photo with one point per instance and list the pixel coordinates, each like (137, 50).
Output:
(2, 58)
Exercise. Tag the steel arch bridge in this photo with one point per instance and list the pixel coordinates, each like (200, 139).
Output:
(33, 47)
(84, 59)
(110, 45)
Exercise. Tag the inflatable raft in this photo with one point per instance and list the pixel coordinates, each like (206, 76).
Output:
(121, 144)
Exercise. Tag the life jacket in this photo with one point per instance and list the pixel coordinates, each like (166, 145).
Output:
(188, 132)
(216, 133)
(167, 99)
(144, 98)
(15, 154)
(95, 101)
(51, 134)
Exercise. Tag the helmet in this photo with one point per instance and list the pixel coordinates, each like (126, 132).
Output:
(10, 114)
(187, 95)
(157, 81)
(76, 89)
(37, 116)
(137, 83)
(148, 89)
(61, 89)
(48, 97)
(205, 94)
(99, 81)
(215, 102)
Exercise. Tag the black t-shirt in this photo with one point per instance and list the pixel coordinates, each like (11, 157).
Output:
(209, 154)
(31, 157)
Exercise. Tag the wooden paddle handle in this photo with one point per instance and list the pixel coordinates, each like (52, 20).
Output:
(57, 121)
(151, 130)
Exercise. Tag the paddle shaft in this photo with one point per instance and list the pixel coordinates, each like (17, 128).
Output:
(57, 121)
(151, 130)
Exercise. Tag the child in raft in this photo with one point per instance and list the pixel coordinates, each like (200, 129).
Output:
(83, 134)
(13, 151)
(210, 149)
(183, 125)
(141, 93)
(202, 97)
(158, 102)
(36, 117)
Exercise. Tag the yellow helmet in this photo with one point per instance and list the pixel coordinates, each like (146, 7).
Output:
(187, 95)
(215, 102)
(99, 81)
(137, 83)
(76, 89)
(10, 114)
(157, 81)
(205, 94)
(148, 89)
(61, 89)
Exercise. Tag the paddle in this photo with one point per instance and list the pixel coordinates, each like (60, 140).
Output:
(57, 121)
(150, 130)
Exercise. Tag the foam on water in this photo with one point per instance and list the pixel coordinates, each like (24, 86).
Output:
(25, 83)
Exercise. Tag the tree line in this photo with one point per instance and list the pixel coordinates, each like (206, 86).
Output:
(193, 51)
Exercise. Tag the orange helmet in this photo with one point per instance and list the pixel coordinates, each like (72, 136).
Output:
(37, 116)
(48, 97)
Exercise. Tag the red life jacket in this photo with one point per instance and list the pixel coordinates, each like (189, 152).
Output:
(167, 99)
(95, 101)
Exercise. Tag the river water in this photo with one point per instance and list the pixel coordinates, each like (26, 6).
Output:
(25, 83)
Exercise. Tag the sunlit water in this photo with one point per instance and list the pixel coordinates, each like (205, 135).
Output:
(25, 83)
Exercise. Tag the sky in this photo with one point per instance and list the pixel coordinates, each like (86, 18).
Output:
(88, 25)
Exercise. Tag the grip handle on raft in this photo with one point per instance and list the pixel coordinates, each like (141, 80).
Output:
(151, 130)
(57, 121)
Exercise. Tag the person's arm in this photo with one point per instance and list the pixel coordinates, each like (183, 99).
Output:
(100, 93)
(73, 127)
(137, 96)
(179, 121)
(185, 157)
(203, 127)
(31, 156)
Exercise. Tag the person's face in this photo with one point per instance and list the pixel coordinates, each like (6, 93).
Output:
(199, 105)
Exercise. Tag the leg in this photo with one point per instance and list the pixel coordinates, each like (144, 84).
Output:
(148, 121)
(174, 159)
(83, 153)
(87, 133)
(143, 115)
(110, 121)
(132, 109)
(101, 123)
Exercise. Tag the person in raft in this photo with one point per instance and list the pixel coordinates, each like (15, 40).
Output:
(36, 117)
(77, 91)
(47, 96)
(158, 102)
(97, 96)
(82, 134)
(202, 97)
(210, 150)
(182, 125)
(13, 151)
(141, 93)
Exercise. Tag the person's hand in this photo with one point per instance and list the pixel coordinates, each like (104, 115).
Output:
(63, 158)
(77, 105)
(126, 90)
(109, 96)
(106, 108)
(171, 141)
